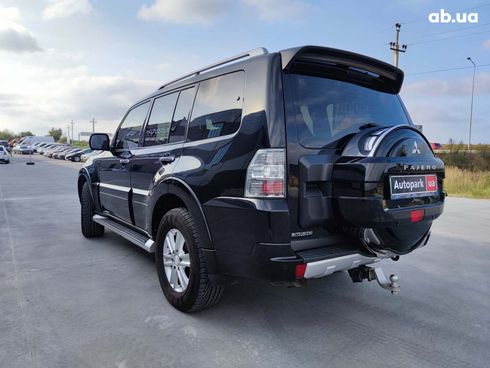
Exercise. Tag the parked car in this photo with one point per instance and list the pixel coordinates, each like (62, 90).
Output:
(282, 166)
(5, 144)
(4, 155)
(47, 147)
(87, 156)
(30, 140)
(436, 146)
(38, 145)
(76, 156)
(22, 149)
(62, 155)
(51, 152)
(61, 151)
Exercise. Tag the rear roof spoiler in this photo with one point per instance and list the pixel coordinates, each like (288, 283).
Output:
(390, 76)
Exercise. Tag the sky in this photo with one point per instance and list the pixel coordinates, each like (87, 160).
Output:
(64, 60)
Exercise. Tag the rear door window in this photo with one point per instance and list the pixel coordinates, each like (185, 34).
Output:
(158, 128)
(218, 107)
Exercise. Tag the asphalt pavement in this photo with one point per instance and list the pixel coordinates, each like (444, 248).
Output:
(67, 301)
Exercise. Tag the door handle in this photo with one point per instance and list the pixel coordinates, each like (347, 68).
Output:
(124, 161)
(167, 159)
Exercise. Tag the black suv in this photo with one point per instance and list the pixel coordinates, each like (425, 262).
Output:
(281, 166)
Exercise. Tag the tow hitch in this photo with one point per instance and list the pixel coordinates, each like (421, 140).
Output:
(375, 273)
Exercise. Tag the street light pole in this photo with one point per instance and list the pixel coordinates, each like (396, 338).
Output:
(93, 121)
(472, 94)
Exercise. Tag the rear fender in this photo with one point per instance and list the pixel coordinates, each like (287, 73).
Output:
(184, 192)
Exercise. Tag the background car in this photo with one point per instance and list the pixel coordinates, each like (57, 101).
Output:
(5, 144)
(86, 156)
(47, 147)
(77, 156)
(62, 155)
(436, 146)
(22, 149)
(4, 155)
(51, 152)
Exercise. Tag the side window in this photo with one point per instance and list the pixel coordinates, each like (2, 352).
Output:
(218, 107)
(158, 128)
(128, 135)
(181, 115)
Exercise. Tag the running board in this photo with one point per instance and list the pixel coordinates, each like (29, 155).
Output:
(134, 237)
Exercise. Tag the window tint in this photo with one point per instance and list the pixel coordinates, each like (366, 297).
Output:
(158, 128)
(129, 133)
(181, 115)
(218, 107)
(327, 110)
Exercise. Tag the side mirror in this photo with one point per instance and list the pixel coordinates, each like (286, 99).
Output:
(99, 142)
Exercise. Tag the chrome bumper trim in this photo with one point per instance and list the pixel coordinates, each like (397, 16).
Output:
(328, 266)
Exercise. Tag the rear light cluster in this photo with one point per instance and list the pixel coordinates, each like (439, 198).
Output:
(266, 174)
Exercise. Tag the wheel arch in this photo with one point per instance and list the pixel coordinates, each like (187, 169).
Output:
(172, 193)
(84, 177)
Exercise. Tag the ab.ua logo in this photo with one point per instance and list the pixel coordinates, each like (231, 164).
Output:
(444, 17)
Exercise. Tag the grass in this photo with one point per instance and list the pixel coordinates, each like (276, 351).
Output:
(465, 183)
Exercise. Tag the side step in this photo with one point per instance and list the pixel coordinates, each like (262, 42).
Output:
(127, 233)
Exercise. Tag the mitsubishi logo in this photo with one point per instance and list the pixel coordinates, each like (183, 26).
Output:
(416, 149)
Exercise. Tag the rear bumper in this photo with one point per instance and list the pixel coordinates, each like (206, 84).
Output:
(371, 212)
(252, 239)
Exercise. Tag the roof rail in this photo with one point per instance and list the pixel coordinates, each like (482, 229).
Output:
(255, 52)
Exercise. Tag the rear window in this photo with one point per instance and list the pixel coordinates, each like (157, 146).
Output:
(327, 110)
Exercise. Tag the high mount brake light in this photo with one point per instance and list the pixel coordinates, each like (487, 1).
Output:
(266, 174)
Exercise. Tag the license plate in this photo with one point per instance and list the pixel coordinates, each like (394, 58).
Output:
(409, 186)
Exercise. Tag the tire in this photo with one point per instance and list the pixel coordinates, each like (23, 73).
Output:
(199, 293)
(90, 229)
(76, 159)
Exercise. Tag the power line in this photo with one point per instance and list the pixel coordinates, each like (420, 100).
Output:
(452, 30)
(448, 69)
(448, 38)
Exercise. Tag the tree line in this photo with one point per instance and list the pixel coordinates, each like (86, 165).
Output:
(8, 135)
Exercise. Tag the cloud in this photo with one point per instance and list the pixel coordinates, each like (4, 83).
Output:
(442, 106)
(203, 12)
(10, 15)
(279, 10)
(65, 8)
(13, 36)
(486, 44)
(445, 87)
(18, 40)
(37, 94)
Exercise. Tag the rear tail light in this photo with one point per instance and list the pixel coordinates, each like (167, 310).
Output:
(266, 174)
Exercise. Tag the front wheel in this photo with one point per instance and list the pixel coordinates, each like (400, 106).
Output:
(180, 263)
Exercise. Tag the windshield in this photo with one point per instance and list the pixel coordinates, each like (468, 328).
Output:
(327, 110)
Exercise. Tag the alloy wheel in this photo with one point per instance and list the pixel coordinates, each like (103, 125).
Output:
(176, 260)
